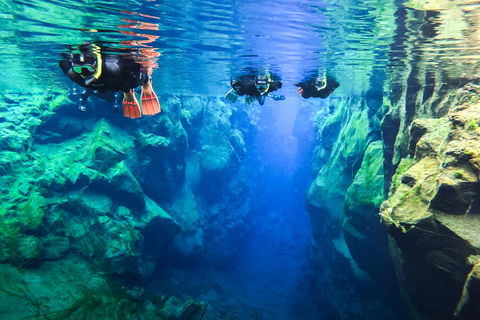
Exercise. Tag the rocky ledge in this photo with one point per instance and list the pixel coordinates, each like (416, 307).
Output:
(433, 216)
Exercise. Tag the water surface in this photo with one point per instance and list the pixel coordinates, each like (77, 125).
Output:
(203, 43)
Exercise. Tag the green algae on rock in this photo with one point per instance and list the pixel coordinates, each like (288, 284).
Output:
(71, 289)
(433, 215)
(348, 144)
(360, 223)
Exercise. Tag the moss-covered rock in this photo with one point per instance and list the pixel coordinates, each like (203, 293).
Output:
(70, 289)
(100, 160)
(361, 222)
(337, 174)
(433, 215)
(110, 236)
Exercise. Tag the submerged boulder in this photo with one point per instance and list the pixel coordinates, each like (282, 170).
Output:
(115, 237)
(71, 289)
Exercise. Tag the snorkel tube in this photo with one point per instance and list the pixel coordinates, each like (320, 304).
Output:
(98, 58)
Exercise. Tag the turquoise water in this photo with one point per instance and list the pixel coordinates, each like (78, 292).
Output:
(202, 43)
(227, 182)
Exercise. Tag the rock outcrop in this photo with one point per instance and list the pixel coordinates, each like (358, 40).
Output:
(71, 289)
(343, 203)
(123, 196)
(433, 216)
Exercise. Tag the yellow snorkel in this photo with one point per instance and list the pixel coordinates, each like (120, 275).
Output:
(98, 58)
(96, 51)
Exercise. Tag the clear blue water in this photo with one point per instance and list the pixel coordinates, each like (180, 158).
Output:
(201, 45)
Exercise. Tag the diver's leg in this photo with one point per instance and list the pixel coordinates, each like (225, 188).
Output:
(232, 96)
(150, 104)
(261, 100)
(131, 108)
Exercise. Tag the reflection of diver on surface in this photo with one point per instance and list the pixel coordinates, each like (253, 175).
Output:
(254, 87)
(317, 87)
(102, 72)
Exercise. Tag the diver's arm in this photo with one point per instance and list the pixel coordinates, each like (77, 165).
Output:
(66, 66)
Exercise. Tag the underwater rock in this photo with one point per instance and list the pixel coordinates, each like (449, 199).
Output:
(91, 183)
(98, 159)
(66, 127)
(433, 216)
(55, 246)
(29, 249)
(158, 230)
(468, 307)
(361, 223)
(71, 289)
(183, 311)
(120, 240)
(185, 212)
(345, 194)
(124, 187)
(334, 178)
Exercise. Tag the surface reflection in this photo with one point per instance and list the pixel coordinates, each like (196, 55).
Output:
(197, 46)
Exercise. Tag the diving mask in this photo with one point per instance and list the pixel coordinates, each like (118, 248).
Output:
(262, 85)
(88, 66)
(85, 70)
(320, 83)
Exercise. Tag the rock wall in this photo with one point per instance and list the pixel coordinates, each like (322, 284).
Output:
(343, 203)
(429, 172)
(124, 196)
(426, 162)
(432, 216)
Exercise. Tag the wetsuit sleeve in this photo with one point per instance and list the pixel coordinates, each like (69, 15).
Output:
(66, 66)
(274, 86)
(309, 89)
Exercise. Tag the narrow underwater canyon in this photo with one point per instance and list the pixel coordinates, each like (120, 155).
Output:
(360, 206)
(139, 208)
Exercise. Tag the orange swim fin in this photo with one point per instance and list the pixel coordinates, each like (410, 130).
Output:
(131, 108)
(150, 104)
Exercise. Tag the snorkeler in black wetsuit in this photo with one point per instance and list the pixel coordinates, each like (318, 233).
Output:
(101, 72)
(317, 87)
(254, 87)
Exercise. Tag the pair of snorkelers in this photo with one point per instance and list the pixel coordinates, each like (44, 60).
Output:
(258, 87)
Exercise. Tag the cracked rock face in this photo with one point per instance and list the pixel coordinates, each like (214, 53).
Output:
(433, 217)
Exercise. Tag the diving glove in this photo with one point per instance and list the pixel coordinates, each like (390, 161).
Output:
(261, 100)
(249, 99)
(231, 96)
(277, 97)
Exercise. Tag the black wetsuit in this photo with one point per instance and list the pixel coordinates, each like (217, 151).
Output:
(310, 90)
(246, 86)
(118, 73)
